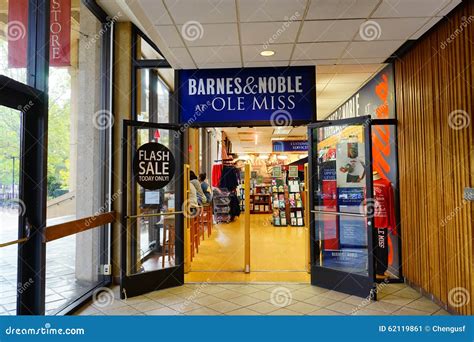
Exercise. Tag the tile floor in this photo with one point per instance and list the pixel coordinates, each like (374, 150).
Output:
(262, 299)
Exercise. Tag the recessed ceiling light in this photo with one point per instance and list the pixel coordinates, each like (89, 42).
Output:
(267, 53)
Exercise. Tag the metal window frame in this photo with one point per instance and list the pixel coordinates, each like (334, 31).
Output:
(34, 149)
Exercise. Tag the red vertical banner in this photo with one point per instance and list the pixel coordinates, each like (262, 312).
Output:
(17, 33)
(60, 33)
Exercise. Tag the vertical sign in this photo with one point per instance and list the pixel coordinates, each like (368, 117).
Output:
(60, 33)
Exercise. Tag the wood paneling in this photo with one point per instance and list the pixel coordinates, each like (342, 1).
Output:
(434, 87)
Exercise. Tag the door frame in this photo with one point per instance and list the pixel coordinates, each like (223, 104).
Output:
(330, 278)
(140, 283)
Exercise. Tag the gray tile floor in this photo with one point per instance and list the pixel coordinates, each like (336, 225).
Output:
(262, 299)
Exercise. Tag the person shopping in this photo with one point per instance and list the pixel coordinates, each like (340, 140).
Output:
(201, 198)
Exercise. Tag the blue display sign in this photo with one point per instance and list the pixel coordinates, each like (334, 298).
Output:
(290, 146)
(259, 96)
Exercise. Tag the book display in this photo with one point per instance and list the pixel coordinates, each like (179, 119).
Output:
(295, 202)
(260, 199)
(279, 201)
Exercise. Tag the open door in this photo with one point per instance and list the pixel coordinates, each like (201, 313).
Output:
(341, 205)
(152, 251)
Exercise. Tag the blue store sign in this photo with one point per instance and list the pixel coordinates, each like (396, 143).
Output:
(260, 96)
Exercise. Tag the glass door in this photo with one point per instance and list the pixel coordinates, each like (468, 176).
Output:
(342, 206)
(151, 217)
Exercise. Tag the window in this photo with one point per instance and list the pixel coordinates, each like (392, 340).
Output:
(77, 159)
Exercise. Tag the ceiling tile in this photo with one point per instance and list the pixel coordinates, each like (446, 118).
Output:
(313, 62)
(170, 36)
(389, 29)
(409, 8)
(214, 54)
(348, 69)
(425, 27)
(155, 11)
(449, 7)
(211, 35)
(351, 78)
(275, 10)
(329, 30)
(182, 56)
(252, 52)
(268, 33)
(323, 79)
(362, 61)
(265, 63)
(336, 9)
(372, 49)
(223, 65)
(209, 11)
(319, 50)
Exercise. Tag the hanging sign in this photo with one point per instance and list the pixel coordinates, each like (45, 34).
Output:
(59, 33)
(267, 96)
(290, 146)
(293, 171)
(153, 166)
(276, 172)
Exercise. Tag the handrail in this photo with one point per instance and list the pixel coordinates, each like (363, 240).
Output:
(153, 215)
(61, 230)
(336, 213)
(9, 243)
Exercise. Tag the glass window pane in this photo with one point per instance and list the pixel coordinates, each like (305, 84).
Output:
(13, 38)
(10, 207)
(151, 242)
(340, 199)
(76, 159)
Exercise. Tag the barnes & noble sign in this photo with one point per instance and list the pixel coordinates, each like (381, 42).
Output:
(256, 95)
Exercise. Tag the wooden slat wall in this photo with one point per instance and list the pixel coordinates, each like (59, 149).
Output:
(436, 161)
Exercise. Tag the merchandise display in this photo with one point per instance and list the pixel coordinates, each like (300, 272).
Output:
(260, 199)
(295, 203)
(279, 201)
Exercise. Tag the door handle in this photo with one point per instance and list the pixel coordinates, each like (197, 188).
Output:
(18, 241)
(336, 213)
(154, 215)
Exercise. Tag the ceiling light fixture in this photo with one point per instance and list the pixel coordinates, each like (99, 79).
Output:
(267, 53)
